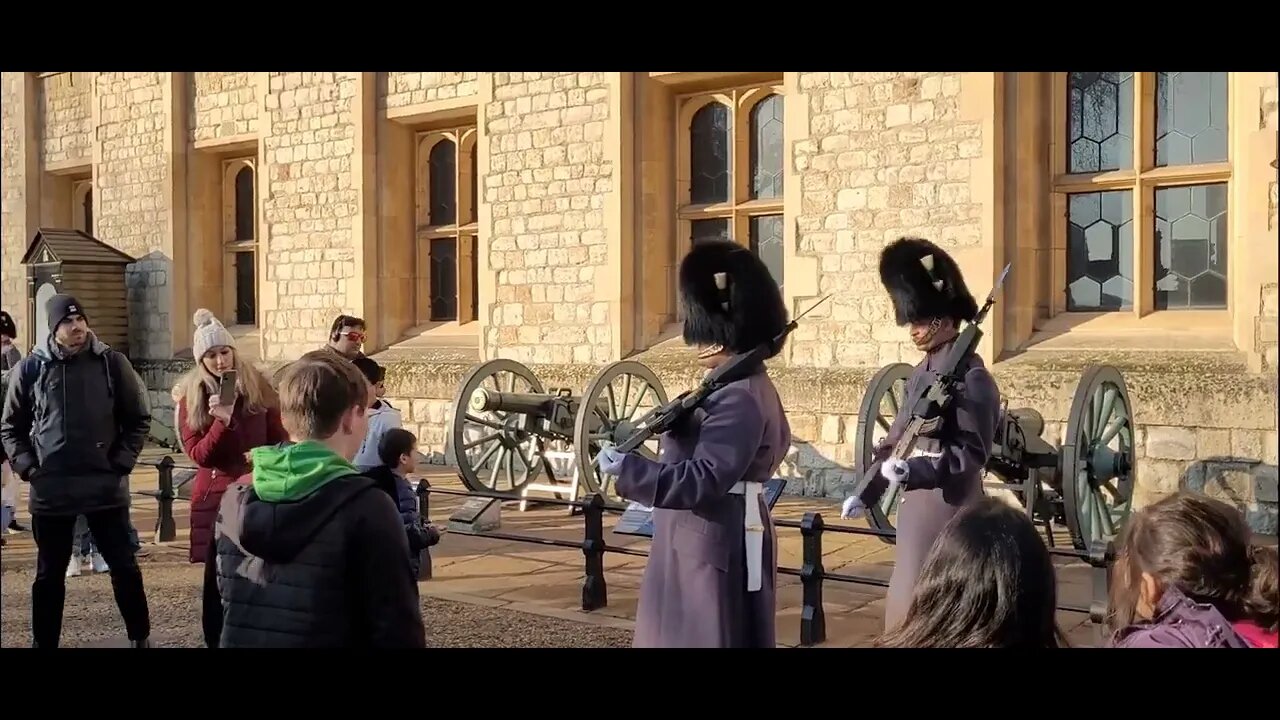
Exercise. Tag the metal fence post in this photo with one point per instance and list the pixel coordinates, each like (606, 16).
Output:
(1101, 555)
(813, 618)
(595, 594)
(423, 492)
(166, 529)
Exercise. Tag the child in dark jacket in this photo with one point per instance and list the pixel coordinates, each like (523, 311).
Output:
(1187, 576)
(398, 451)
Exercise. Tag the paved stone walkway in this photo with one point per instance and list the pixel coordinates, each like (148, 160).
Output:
(547, 580)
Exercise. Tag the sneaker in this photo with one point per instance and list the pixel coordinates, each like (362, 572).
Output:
(99, 564)
(15, 526)
(73, 567)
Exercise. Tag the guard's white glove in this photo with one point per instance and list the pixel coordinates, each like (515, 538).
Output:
(852, 508)
(895, 470)
(610, 460)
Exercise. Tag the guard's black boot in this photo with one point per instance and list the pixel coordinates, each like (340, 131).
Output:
(144, 642)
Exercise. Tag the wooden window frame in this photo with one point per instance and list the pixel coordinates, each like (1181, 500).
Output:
(1142, 180)
(231, 168)
(740, 207)
(465, 234)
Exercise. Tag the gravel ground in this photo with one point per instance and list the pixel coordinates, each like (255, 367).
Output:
(173, 592)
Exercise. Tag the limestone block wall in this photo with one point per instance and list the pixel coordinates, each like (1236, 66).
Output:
(411, 88)
(13, 198)
(547, 181)
(309, 208)
(222, 105)
(887, 154)
(131, 206)
(66, 114)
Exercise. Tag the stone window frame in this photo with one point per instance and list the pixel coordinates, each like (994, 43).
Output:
(82, 216)
(466, 235)
(231, 244)
(740, 207)
(1141, 180)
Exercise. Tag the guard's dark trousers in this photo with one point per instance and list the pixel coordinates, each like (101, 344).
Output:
(54, 536)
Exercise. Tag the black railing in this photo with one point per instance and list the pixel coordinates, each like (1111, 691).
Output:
(813, 624)
(165, 493)
(811, 572)
(595, 593)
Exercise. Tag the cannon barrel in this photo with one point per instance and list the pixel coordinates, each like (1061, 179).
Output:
(505, 423)
(486, 400)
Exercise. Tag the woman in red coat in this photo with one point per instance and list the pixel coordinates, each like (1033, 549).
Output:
(218, 437)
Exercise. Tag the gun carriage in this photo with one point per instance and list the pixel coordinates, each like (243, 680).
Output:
(1085, 483)
(505, 423)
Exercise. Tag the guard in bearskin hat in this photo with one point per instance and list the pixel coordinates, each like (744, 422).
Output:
(945, 470)
(712, 572)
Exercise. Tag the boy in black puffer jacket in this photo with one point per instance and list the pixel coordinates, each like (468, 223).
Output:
(398, 451)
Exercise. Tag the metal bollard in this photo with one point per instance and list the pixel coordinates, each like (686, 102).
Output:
(166, 528)
(595, 594)
(813, 618)
(423, 492)
(1101, 555)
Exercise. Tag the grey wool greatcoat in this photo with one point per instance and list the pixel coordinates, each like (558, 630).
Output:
(694, 592)
(945, 471)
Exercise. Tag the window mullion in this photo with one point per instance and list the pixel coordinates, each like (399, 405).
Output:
(1144, 218)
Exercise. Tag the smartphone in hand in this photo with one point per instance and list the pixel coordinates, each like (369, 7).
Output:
(227, 388)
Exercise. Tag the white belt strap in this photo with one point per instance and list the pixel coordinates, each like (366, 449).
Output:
(754, 536)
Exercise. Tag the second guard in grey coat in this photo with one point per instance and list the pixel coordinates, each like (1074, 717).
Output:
(712, 571)
(945, 471)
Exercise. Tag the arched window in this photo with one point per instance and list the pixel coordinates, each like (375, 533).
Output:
(733, 153)
(244, 204)
(444, 184)
(239, 234)
(87, 209)
(448, 201)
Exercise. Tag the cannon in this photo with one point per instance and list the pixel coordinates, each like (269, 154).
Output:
(505, 423)
(1086, 483)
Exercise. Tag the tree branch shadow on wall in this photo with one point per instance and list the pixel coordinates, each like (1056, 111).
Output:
(1247, 484)
(811, 474)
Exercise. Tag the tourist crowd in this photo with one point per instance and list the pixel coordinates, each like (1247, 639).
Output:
(310, 535)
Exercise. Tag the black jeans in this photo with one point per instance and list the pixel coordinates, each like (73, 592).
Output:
(55, 537)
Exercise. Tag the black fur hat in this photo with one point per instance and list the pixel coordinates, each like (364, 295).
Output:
(924, 283)
(6, 325)
(746, 311)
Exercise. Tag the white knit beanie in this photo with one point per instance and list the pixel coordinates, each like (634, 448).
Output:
(209, 334)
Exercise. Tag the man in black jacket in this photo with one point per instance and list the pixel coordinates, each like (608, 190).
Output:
(309, 553)
(75, 419)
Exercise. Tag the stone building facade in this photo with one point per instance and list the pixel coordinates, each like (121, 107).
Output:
(540, 217)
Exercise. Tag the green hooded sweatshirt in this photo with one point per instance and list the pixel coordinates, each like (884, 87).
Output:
(292, 472)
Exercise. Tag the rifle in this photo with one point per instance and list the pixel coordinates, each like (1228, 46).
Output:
(927, 411)
(741, 365)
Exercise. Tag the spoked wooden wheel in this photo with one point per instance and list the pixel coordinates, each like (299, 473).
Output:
(885, 396)
(1096, 460)
(494, 450)
(617, 398)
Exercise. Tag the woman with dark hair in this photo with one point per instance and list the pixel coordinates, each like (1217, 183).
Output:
(1186, 576)
(987, 582)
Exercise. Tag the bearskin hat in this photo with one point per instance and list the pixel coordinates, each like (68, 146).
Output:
(7, 327)
(729, 298)
(924, 283)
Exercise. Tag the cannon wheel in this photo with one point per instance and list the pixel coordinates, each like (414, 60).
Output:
(495, 440)
(618, 397)
(886, 394)
(1096, 460)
